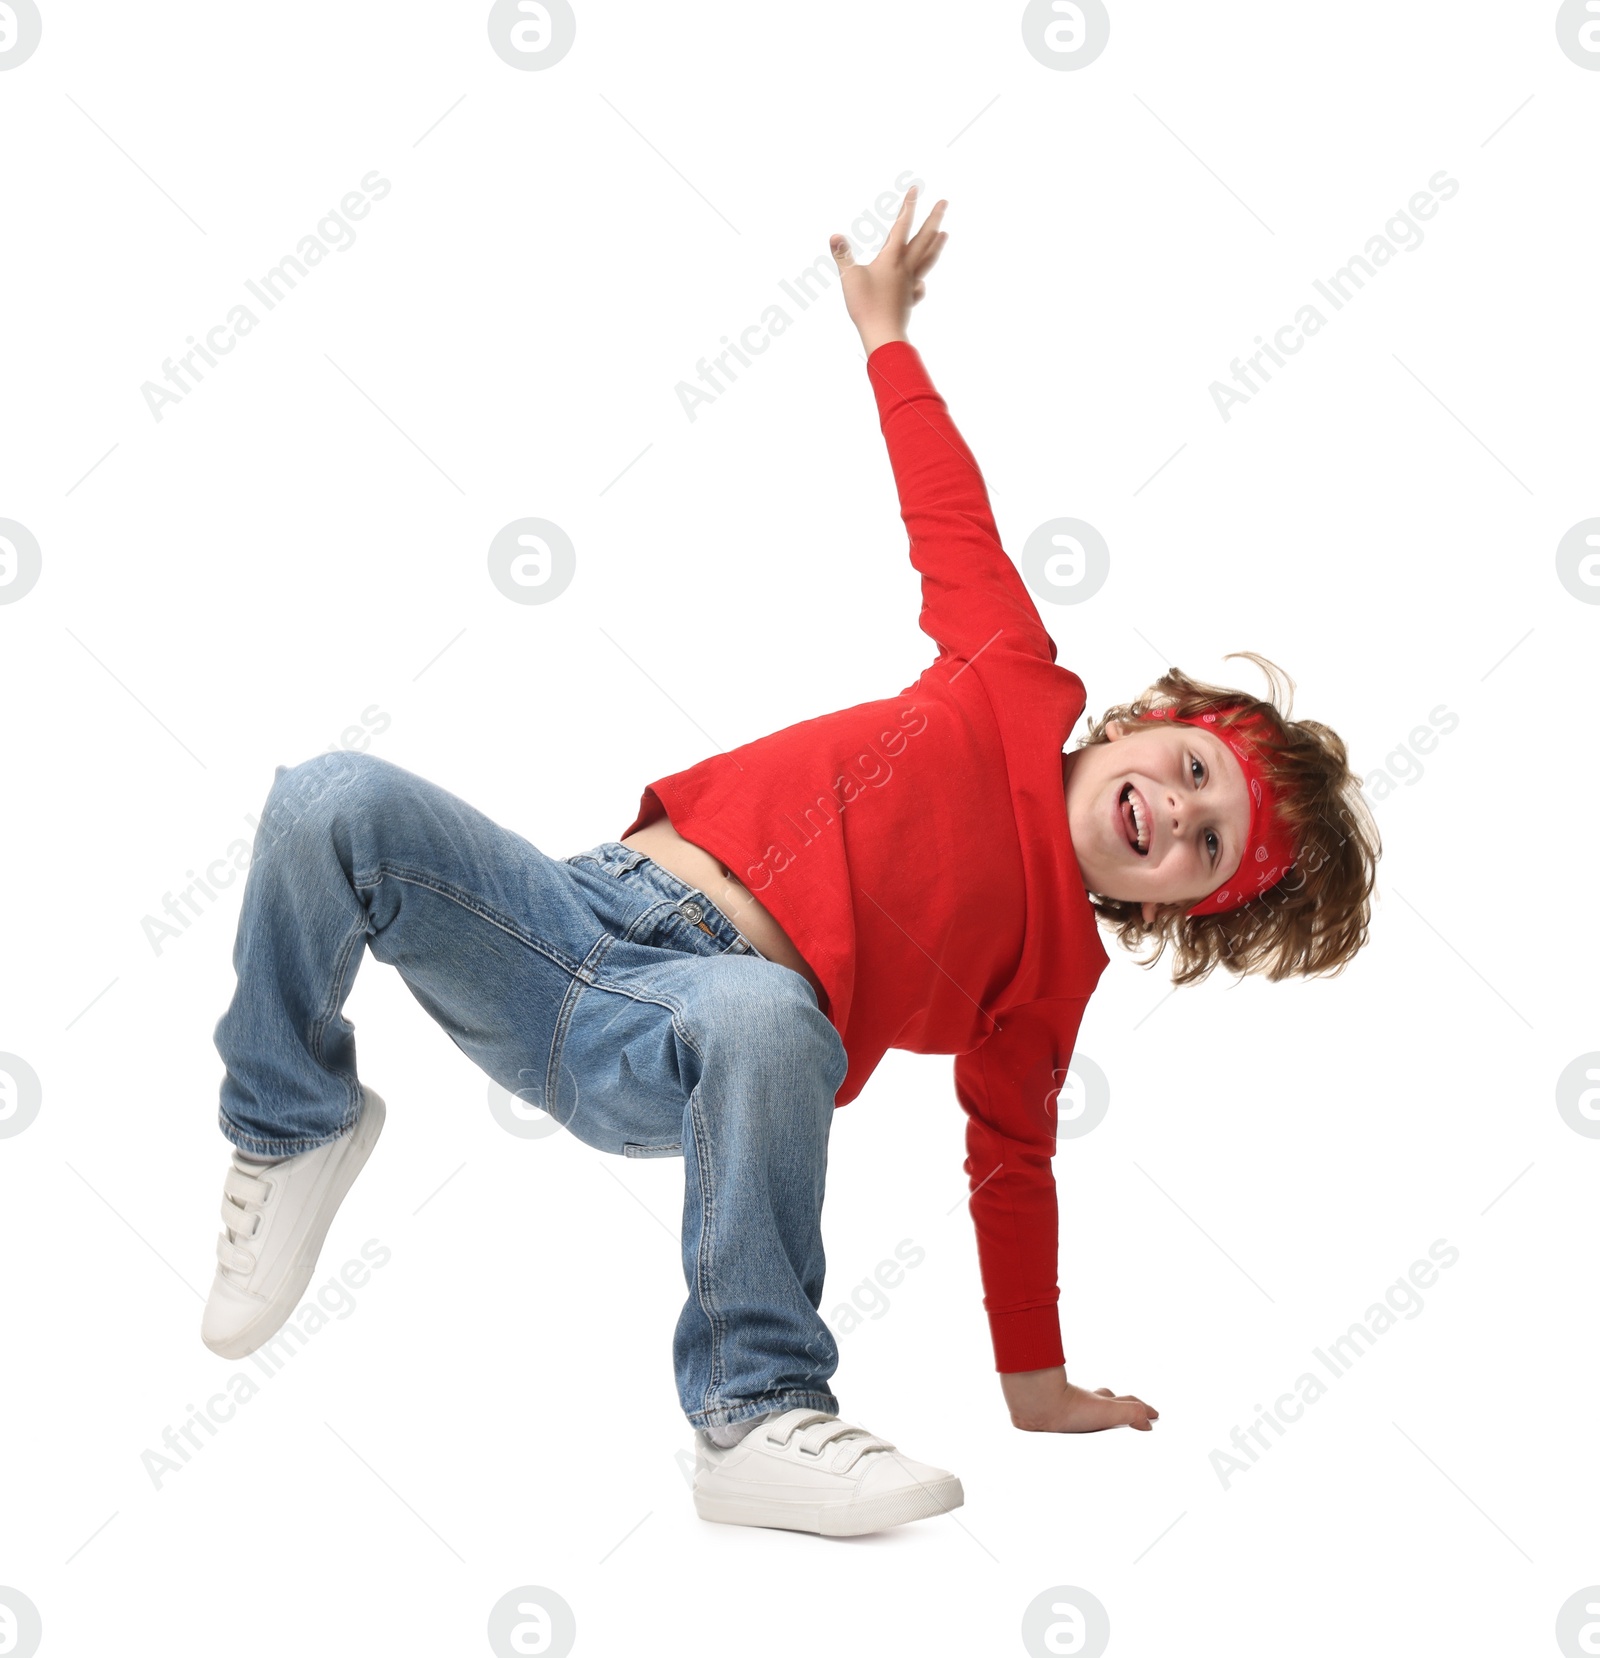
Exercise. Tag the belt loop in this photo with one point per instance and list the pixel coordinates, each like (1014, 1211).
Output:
(620, 858)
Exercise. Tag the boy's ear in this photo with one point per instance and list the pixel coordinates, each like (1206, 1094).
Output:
(1115, 729)
(1149, 911)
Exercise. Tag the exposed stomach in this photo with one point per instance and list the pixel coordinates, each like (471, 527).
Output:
(692, 864)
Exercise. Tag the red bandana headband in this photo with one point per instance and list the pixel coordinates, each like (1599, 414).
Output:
(1269, 850)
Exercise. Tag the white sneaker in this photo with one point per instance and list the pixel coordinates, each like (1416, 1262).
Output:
(274, 1218)
(807, 1471)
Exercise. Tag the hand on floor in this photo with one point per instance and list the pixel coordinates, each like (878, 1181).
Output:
(1044, 1401)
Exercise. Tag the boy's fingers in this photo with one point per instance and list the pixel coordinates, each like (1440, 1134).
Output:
(902, 222)
(1137, 1414)
(926, 261)
(841, 251)
(930, 231)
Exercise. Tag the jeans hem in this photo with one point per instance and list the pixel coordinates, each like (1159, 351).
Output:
(255, 1146)
(724, 1415)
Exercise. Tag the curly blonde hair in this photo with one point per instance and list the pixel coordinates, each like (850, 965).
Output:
(1315, 919)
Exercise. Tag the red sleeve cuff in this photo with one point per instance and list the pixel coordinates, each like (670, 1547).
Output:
(891, 346)
(1028, 1340)
(898, 373)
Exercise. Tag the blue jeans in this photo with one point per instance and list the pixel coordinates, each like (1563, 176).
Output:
(598, 988)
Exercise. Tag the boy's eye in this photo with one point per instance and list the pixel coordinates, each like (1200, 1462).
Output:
(1197, 765)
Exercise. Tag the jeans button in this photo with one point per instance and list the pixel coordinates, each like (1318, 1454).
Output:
(691, 911)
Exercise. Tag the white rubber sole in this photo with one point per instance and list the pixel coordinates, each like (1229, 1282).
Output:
(835, 1519)
(275, 1312)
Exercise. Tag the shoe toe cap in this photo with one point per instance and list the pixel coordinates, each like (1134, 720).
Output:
(230, 1310)
(890, 1472)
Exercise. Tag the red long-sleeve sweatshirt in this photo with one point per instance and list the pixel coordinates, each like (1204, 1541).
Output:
(916, 851)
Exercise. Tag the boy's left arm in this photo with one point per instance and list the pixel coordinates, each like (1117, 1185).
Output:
(1007, 1086)
(973, 598)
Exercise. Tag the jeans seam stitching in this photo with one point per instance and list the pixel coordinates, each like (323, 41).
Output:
(468, 902)
(319, 1028)
(564, 1015)
(702, 1271)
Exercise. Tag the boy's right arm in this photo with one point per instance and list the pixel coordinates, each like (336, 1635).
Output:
(1007, 1087)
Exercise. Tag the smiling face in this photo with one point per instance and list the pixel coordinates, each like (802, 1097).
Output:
(1176, 791)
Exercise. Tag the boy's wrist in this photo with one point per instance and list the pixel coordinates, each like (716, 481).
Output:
(1031, 1394)
(872, 338)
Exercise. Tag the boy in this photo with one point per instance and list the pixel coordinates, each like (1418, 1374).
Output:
(927, 872)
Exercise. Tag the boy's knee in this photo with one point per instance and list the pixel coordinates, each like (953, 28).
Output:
(317, 787)
(327, 774)
(765, 1017)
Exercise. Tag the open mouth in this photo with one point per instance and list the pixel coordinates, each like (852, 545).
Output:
(1132, 813)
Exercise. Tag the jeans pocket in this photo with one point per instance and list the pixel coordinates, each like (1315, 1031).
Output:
(631, 1149)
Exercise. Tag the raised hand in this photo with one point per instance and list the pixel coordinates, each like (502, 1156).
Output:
(879, 296)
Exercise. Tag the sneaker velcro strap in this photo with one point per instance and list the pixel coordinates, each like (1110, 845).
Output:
(245, 1223)
(818, 1430)
(796, 1422)
(243, 1188)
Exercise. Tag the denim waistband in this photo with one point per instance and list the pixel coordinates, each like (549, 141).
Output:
(616, 859)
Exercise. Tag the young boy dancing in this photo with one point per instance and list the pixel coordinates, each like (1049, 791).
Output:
(926, 872)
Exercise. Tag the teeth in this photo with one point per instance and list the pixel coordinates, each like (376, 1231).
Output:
(1141, 834)
(1139, 824)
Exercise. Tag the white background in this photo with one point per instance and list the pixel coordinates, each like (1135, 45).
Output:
(226, 589)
